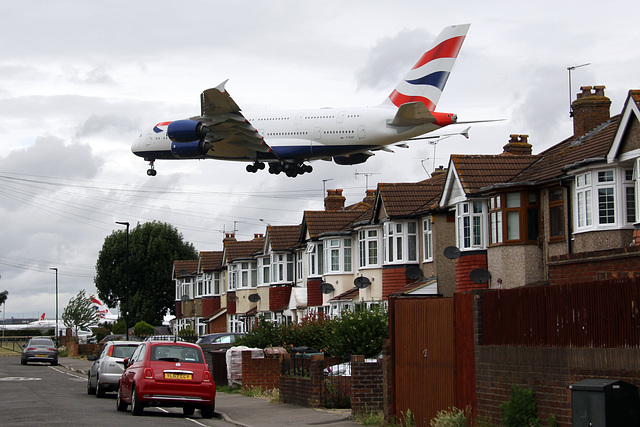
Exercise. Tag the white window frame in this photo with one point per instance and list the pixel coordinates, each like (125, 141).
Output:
(282, 268)
(264, 271)
(217, 283)
(338, 255)
(401, 242)
(602, 199)
(369, 246)
(427, 239)
(316, 259)
(471, 220)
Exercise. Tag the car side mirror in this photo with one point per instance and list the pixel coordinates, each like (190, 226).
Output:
(124, 362)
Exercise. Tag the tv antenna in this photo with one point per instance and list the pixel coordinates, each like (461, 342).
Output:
(324, 187)
(570, 69)
(366, 177)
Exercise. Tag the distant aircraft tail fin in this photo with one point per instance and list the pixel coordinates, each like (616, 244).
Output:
(42, 317)
(426, 80)
(102, 311)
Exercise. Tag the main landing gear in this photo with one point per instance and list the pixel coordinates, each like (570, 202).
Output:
(291, 169)
(151, 171)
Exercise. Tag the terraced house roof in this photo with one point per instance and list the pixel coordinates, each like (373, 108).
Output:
(210, 260)
(234, 250)
(406, 199)
(283, 237)
(184, 268)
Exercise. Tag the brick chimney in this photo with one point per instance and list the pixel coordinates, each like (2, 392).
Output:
(334, 200)
(258, 235)
(229, 237)
(589, 110)
(370, 197)
(517, 146)
(438, 171)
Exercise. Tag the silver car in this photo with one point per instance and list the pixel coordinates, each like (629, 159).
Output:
(105, 372)
(39, 349)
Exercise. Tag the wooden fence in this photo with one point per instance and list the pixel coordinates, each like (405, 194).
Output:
(604, 314)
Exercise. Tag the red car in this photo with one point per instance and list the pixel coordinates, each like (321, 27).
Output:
(167, 373)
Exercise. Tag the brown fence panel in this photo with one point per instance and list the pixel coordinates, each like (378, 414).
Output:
(424, 356)
(603, 314)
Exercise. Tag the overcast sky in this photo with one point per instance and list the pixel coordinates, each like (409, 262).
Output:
(79, 80)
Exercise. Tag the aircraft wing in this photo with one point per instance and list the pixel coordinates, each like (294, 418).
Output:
(228, 128)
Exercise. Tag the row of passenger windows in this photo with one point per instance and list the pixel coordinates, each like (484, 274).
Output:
(287, 133)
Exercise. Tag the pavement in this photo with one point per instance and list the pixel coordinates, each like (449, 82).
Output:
(246, 411)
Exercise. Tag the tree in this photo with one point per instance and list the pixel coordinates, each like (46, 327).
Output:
(3, 296)
(79, 313)
(153, 246)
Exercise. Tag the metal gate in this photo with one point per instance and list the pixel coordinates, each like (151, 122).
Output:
(432, 370)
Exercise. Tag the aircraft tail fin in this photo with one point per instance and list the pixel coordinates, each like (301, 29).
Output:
(426, 80)
(42, 317)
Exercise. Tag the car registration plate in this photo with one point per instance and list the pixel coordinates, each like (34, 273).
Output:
(41, 355)
(175, 376)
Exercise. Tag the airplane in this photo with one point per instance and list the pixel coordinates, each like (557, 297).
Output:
(43, 324)
(285, 140)
(102, 311)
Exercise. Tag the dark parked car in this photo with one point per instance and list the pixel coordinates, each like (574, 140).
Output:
(39, 349)
(219, 340)
(105, 371)
(163, 373)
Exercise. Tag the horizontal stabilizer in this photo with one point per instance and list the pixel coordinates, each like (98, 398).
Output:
(413, 114)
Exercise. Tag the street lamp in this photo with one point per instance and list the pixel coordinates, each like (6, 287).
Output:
(57, 334)
(126, 303)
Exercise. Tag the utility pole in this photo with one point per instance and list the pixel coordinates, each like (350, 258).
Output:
(126, 304)
(57, 333)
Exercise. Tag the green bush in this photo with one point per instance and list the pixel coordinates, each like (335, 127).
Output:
(143, 329)
(360, 331)
(520, 410)
(119, 327)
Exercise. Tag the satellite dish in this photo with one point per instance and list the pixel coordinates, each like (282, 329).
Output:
(361, 282)
(254, 297)
(413, 273)
(479, 275)
(326, 288)
(452, 252)
(184, 298)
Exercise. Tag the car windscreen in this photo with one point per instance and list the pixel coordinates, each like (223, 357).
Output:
(41, 342)
(123, 351)
(175, 353)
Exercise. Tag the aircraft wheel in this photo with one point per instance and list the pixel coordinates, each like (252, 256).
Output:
(260, 165)
(151, 172)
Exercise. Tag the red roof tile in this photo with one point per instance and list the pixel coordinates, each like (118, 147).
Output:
(210, 260)
(184, 267)
(234, 250)
(283, 237)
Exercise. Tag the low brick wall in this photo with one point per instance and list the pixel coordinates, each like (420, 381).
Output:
(305, 391)
(548, 372)
(260, 372)
(366, 386)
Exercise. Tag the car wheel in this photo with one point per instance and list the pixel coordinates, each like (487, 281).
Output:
(99, 388)
(136, 405)
(121, 405)
(54, 363)
(90, 390)
(23, 361)
(208, 411)
(188, 410)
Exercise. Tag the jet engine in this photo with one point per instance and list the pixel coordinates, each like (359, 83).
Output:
(190, 150)
(186, 131)
(353, 159)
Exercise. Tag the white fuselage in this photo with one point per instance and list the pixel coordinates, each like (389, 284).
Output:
(302, 134)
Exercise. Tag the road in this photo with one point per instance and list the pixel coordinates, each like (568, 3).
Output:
(43, 395)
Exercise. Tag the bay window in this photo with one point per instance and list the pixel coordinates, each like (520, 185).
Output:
(368, 248)
(605, 198)
(282, 268)
(470, 217)
(400, 242)
(337, 255)
(514, 217)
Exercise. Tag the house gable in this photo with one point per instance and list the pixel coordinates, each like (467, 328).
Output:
(626, 142)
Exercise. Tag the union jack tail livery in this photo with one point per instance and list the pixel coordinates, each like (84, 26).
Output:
(425, 81)
(102, 311)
